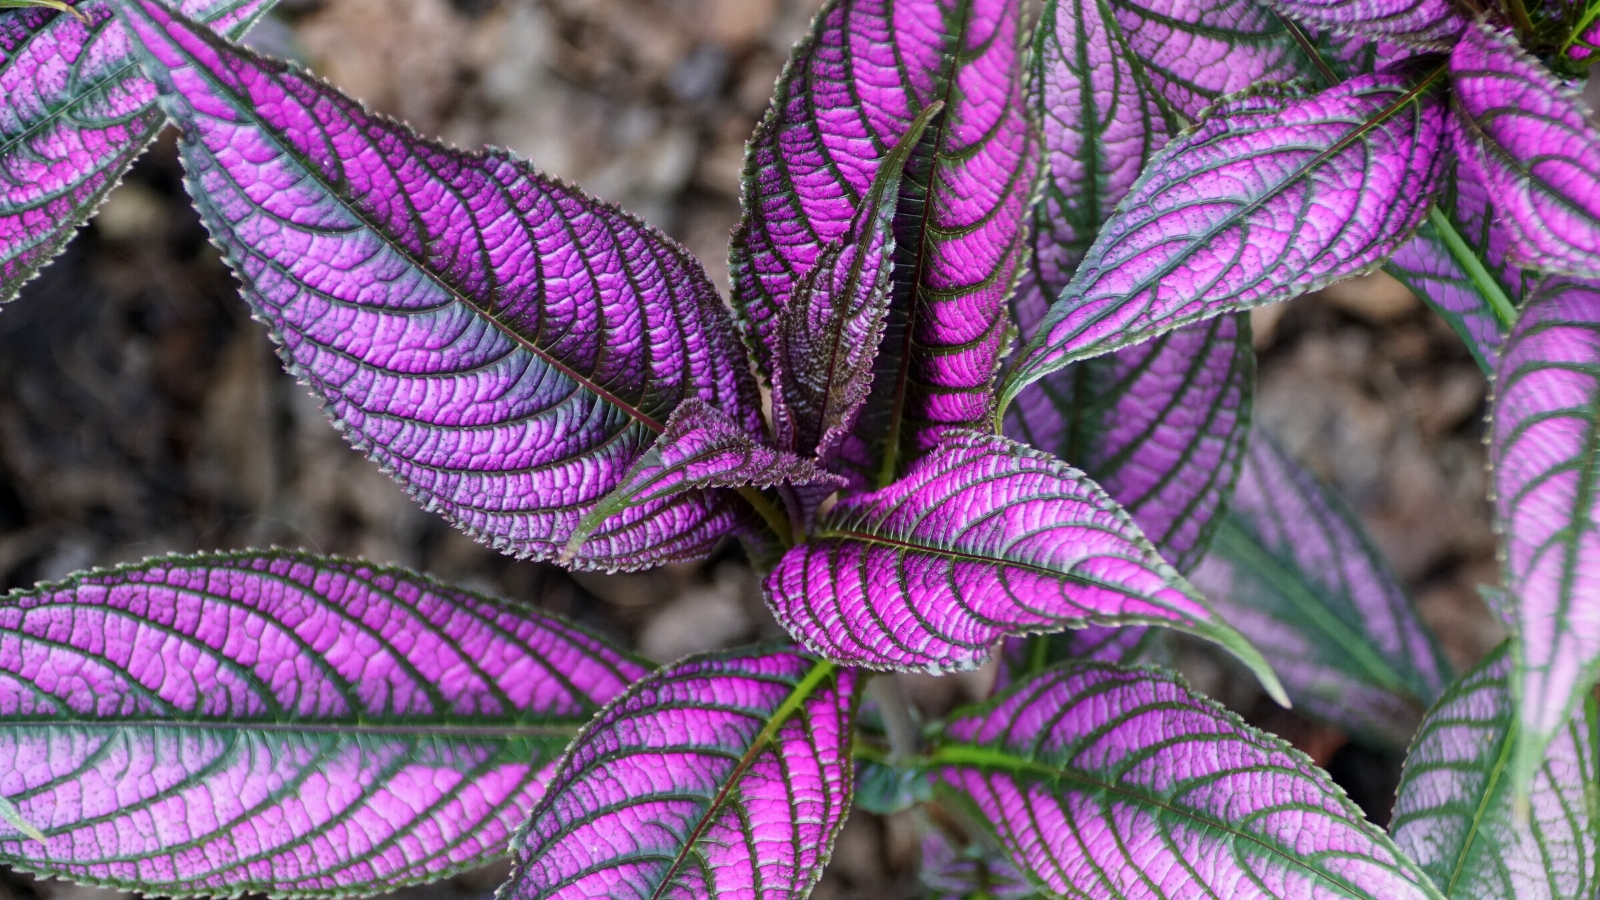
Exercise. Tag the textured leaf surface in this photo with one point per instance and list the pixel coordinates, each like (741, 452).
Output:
(77, 112)
(1161, 426)
(1292, 570)
(1535, 145)
(275, 722)
(982, 539)
(701, 449)
(1196, 52)
(1107, 782)
(850, 92)
(725, 776)
(1270, 196)
(1545, 452)
(1428, 24)
(502, 344)
(1099, 122)
(1454, 813)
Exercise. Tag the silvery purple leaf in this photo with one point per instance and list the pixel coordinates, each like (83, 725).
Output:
(1455, 812)
(850, 92)
(502, 344)
(1535, 145)
(77, 112)
(982, 539)
(278, 723)
(1129, 645)
(1270, 196)
(1100, 122)
(1196, 52)
(828, 332)
(1426, 24)
(1161, 426)
(1546, 461)
(702, 449)
(726, 775)
(1292, 570)
(1105, 782)
(969, 873)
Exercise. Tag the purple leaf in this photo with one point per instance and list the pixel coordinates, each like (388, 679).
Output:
(502, 344)
(971, 873)
(828, 332)
(1100, 123)
(1128, 645)
(982, 539)
(701, 449)
(1196, 52)
(1545, 452)
(1584, 44)
(1534, 144)
(1427, 24)
(1270, 196)
(1107, 782)
(77, 113)
(272, 722)
(726, 775)
(1292, 569)
(1454, 813)
(1161, 426)
(850, 92)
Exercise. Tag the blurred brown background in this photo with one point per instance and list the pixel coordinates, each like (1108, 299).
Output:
(142, 412)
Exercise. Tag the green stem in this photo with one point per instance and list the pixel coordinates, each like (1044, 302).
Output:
(774, 517)
(1482, 278)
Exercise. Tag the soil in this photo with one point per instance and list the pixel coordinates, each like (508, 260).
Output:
(142, 412)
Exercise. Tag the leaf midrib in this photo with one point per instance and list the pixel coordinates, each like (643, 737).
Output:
(355, 728)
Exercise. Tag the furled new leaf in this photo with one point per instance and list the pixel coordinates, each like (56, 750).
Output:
(1292, 570)
(982, 539)
(1161, 426)
(77, 112)
(501, 343)
(726, 775)
(1455, 812)
(701, 449)
(1545, 452)
(850, 92)
(1196, 52)
(1099, 123)
(1109, 782)
(1534, 143)
(272, 722)
(1426, 24)
(1270, 196)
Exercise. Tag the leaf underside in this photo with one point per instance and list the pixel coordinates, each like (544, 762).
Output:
(1455, 814)
(502, 344)
(77, 113)
(1292, 569)
(1425, 24)
(725, 775)
(1108, 782)
(278, 723)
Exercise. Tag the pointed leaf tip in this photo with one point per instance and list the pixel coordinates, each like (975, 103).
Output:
(279, 723)
(982, 539)
(504, 345)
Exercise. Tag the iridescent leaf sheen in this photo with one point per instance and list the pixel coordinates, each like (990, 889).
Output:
(1106, 782)
(982, 539)
(1292, 570)
(850, 92)
(1161, 426)
(502, 344)
(273, 722)
(726, 775)
(1545, 452)
(1270, 196)
(1534, 143)
(1455, 812)
(1099, 123)
(1426, 24)
(77, 113)
(701, 449)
